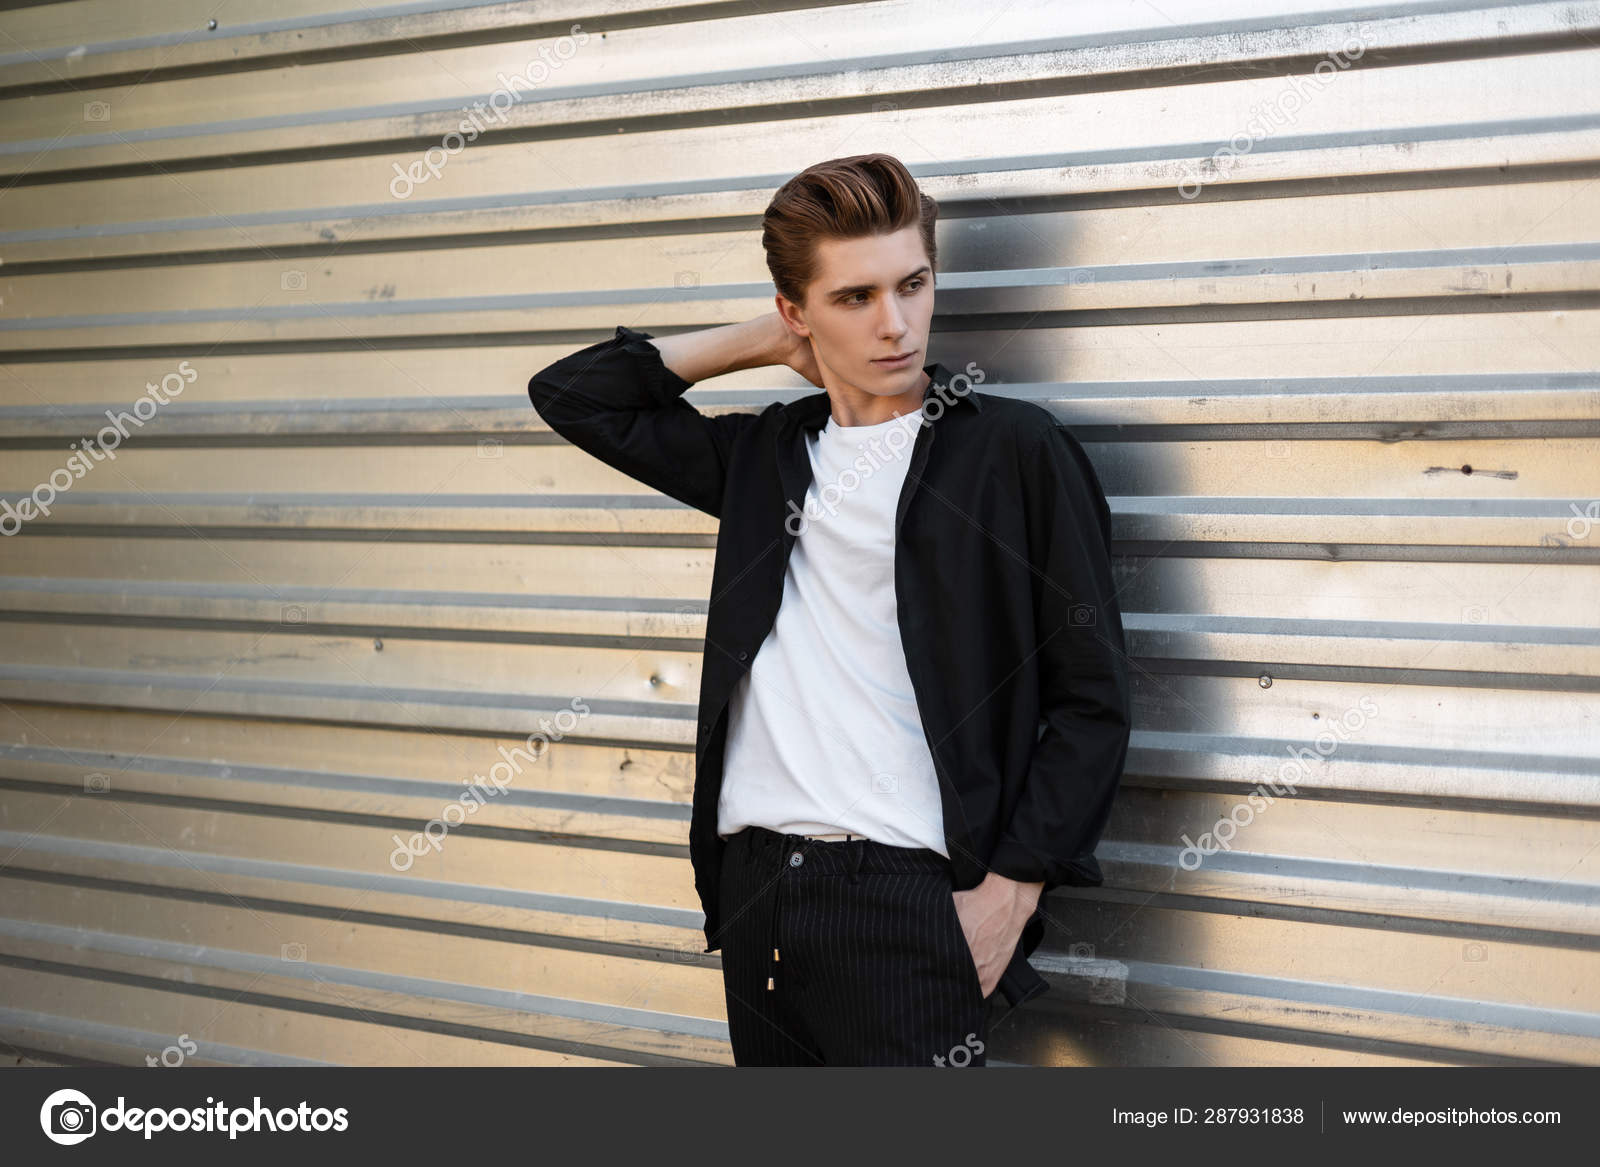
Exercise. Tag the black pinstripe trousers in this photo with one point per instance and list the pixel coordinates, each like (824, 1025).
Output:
(845, 953)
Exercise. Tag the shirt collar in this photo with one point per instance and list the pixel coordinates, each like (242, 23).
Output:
(812, 411)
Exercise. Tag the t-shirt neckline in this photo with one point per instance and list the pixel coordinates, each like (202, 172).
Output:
(853, 431)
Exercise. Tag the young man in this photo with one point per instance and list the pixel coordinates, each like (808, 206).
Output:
(912, 632)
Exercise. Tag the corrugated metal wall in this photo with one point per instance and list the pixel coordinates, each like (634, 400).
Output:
(1340, 385)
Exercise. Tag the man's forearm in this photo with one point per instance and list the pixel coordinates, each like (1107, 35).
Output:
(710, 352)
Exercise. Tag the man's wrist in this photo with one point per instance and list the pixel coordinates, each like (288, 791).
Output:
(725, 348)
(1024, 896)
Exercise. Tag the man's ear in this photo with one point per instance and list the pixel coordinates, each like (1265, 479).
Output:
(792, 315)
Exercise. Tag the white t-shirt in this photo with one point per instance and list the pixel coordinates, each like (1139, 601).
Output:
(823, 731)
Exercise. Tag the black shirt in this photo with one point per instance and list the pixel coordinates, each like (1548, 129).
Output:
(1008, 617)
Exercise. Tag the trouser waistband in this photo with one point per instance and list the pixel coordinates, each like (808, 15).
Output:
(856, 856)
(802, 855)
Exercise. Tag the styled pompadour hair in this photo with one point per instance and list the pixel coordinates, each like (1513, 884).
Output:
(842, 198)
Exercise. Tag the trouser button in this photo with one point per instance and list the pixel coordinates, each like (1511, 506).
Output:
(796, 859)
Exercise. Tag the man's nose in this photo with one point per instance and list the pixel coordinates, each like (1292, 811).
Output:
(893, 321)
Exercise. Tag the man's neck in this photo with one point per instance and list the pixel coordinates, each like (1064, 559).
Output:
(854, 407)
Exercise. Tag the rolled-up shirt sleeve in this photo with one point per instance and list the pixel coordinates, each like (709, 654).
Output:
(618, 401)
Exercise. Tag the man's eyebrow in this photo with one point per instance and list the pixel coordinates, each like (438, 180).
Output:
(854, 288)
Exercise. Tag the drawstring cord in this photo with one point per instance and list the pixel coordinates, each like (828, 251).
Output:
(785, 861)
(772, 926)
(777, 902)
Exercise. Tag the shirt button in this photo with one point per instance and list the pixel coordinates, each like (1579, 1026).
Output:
(744, 656)
(796, 859)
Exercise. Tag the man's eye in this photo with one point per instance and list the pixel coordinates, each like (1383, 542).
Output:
(914, 285)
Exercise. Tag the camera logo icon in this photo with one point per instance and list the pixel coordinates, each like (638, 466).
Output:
(68, 1117)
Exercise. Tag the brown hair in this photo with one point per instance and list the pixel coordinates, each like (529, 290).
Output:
(842, 198)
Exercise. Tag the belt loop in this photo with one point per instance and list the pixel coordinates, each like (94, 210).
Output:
(857, 846)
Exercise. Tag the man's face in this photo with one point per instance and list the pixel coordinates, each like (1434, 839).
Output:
(872, 298)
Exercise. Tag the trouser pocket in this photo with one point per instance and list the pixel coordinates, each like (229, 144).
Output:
(963, 950)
